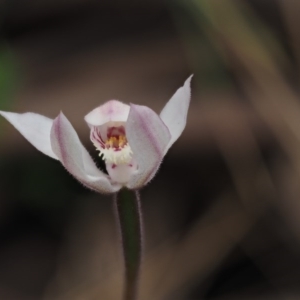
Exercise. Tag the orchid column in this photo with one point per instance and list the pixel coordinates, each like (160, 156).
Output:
(131, 139)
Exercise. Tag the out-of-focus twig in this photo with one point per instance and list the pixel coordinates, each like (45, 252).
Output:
(253, 63)
(290, 11)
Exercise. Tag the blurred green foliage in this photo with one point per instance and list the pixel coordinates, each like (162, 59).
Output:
(41, 186)
(8, 76)
(203, 57)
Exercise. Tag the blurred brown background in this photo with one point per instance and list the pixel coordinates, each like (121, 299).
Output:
(222, 217)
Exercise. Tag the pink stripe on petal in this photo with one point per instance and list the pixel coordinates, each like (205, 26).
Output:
(148, 137)
(72, 154)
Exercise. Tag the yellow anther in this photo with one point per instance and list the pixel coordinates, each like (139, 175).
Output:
(116, 142)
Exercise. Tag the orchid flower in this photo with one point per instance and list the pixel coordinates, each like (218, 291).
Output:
(131, 139)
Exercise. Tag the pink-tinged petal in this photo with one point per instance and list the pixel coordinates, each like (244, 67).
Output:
(111, 111)
(121, 173)
(75, 158)
(34, 127)
(148, 137)
(174, 114)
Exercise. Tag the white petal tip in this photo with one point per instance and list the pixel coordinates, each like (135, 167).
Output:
(189, 78)
(187, 83)
(35, 128)
(174, 114)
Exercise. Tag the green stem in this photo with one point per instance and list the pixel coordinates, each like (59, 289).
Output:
(130, 220)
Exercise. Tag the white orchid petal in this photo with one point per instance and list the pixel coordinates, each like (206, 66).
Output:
(111, 111)
(34, 127)
(75, 158)
(121, 173)
(148, 137)
(174, 114)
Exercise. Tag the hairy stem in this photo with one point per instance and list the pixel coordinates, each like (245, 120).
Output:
(130, 220)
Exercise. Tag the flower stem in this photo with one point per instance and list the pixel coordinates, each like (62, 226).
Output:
(130, 220)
